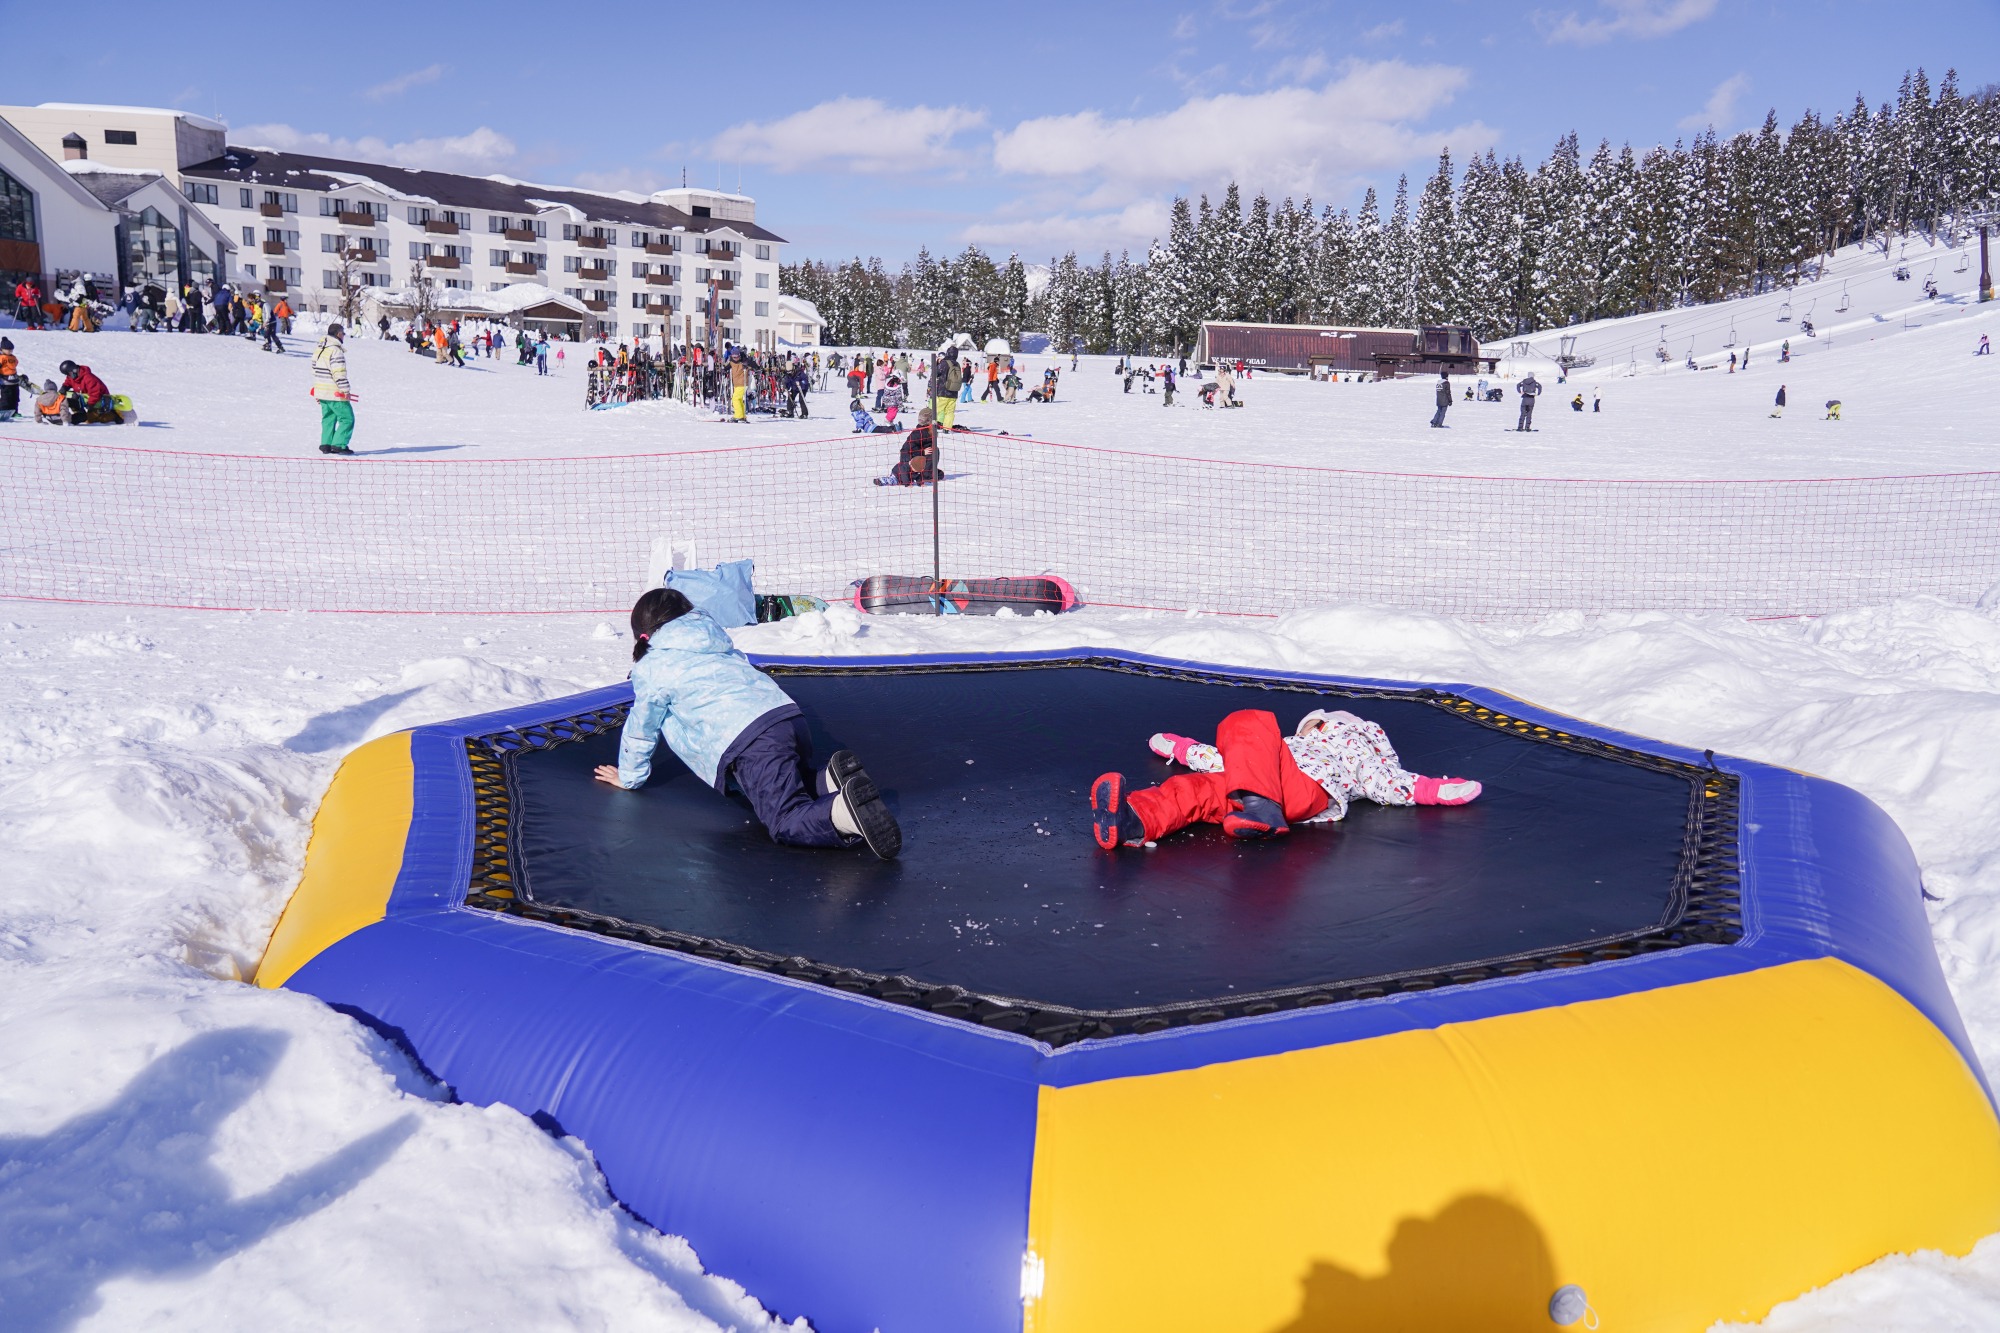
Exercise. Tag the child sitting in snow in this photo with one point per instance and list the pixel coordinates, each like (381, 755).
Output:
(728, 720)
(1256, 784)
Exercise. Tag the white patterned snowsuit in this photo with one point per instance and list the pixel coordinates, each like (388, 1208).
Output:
(1349, 756)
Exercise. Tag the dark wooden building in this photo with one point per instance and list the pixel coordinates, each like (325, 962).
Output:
(1313, 348)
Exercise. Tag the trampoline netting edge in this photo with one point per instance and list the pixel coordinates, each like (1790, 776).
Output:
(1704, 906)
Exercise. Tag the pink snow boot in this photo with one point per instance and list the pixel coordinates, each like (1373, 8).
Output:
(1187, 751)
(1447, 791)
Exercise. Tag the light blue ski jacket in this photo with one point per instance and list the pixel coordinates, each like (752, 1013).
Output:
(695, 690)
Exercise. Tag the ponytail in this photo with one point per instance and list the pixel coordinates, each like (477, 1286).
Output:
(656, 607)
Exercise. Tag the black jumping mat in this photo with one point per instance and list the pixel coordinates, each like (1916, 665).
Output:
(1001, 890)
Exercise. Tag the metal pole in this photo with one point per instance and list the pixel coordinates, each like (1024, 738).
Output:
(1985, 268)
(937, 480)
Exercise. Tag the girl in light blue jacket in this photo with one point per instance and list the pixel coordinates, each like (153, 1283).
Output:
(728, 720)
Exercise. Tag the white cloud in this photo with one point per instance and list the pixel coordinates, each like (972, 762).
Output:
(477, 153)
(1133, 228)
(1382, 32)
(850, 133)
(402, 83)
(1287, 139)
(1299, 69)
(1719, 113)
(1625, 18)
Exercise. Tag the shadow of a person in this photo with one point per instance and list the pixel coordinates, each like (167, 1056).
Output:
(1480, 1264)
(130, 1190)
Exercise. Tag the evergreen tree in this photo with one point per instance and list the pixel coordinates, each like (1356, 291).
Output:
(1439, 275)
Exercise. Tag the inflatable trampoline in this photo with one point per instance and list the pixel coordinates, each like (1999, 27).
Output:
(1657, 1023)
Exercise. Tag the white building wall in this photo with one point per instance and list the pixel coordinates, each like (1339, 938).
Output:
(572, 261)
(165, 140)
(76, 233)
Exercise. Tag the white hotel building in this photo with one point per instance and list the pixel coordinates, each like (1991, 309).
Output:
(640, 265)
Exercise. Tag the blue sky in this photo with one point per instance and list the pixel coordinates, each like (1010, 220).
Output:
(1029, 126)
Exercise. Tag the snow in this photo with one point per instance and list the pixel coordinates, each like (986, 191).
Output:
(1658, 423)
(173, 1142)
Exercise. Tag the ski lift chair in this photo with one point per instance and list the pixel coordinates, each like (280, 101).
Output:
(1732, 334)
(1964, 261)
(1841, 309)
(1785, 313)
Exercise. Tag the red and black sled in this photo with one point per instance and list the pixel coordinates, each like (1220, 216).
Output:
(913, 594)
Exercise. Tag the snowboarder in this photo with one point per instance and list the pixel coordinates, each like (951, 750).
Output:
(916, 463)
(1985, 347)
(1779, 409)
(946, 377)
(1443, 400)
(85, 399)
(727, 720)
(1832, 410)
(1785, 351)
(336, 397)
(10, 381)
(1596, 404)
(1576, 403)
(1528, 389)
(1167, 385)
(1256, 784)
(1732, 363)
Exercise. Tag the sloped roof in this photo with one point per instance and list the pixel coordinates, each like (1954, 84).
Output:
(494, 194)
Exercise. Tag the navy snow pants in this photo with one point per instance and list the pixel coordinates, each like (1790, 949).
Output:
(774, 771)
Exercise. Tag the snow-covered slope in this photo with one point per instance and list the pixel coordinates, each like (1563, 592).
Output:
(175, 1146)
(224, 395)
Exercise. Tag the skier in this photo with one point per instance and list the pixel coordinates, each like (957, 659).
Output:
(727, 720)
(1256, 784)
(1167, 385)
(1596, 404)
(1779, 409)
(1443, 400)
(271, 326)
(992, 380)
(336, 397)
(892, 399)
(1528, 389)
(1732, 363)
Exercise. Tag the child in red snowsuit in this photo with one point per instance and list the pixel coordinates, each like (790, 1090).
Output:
(1255, 787)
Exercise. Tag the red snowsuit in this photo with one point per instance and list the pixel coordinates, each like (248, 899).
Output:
(1254, 759)
(87, 384)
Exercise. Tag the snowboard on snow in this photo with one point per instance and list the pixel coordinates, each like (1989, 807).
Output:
(911, 594)
(778, 606)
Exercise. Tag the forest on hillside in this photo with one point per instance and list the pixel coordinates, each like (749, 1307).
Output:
(1494, 243)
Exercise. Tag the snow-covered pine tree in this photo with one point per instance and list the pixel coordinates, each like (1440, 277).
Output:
(1256, 283)
(1439, 275)
(1367, 303)
(1013, 300)
(1399, 262)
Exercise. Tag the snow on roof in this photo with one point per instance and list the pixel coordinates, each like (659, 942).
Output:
(83, 166)
(202, 122)
(798, 305)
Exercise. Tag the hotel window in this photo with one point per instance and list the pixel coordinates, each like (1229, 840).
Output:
(198, 192)
(763, 252)
(128, 138)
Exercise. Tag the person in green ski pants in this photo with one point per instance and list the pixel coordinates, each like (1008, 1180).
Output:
(336, 397)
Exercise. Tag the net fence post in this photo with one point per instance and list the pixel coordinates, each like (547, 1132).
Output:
(937, 483)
